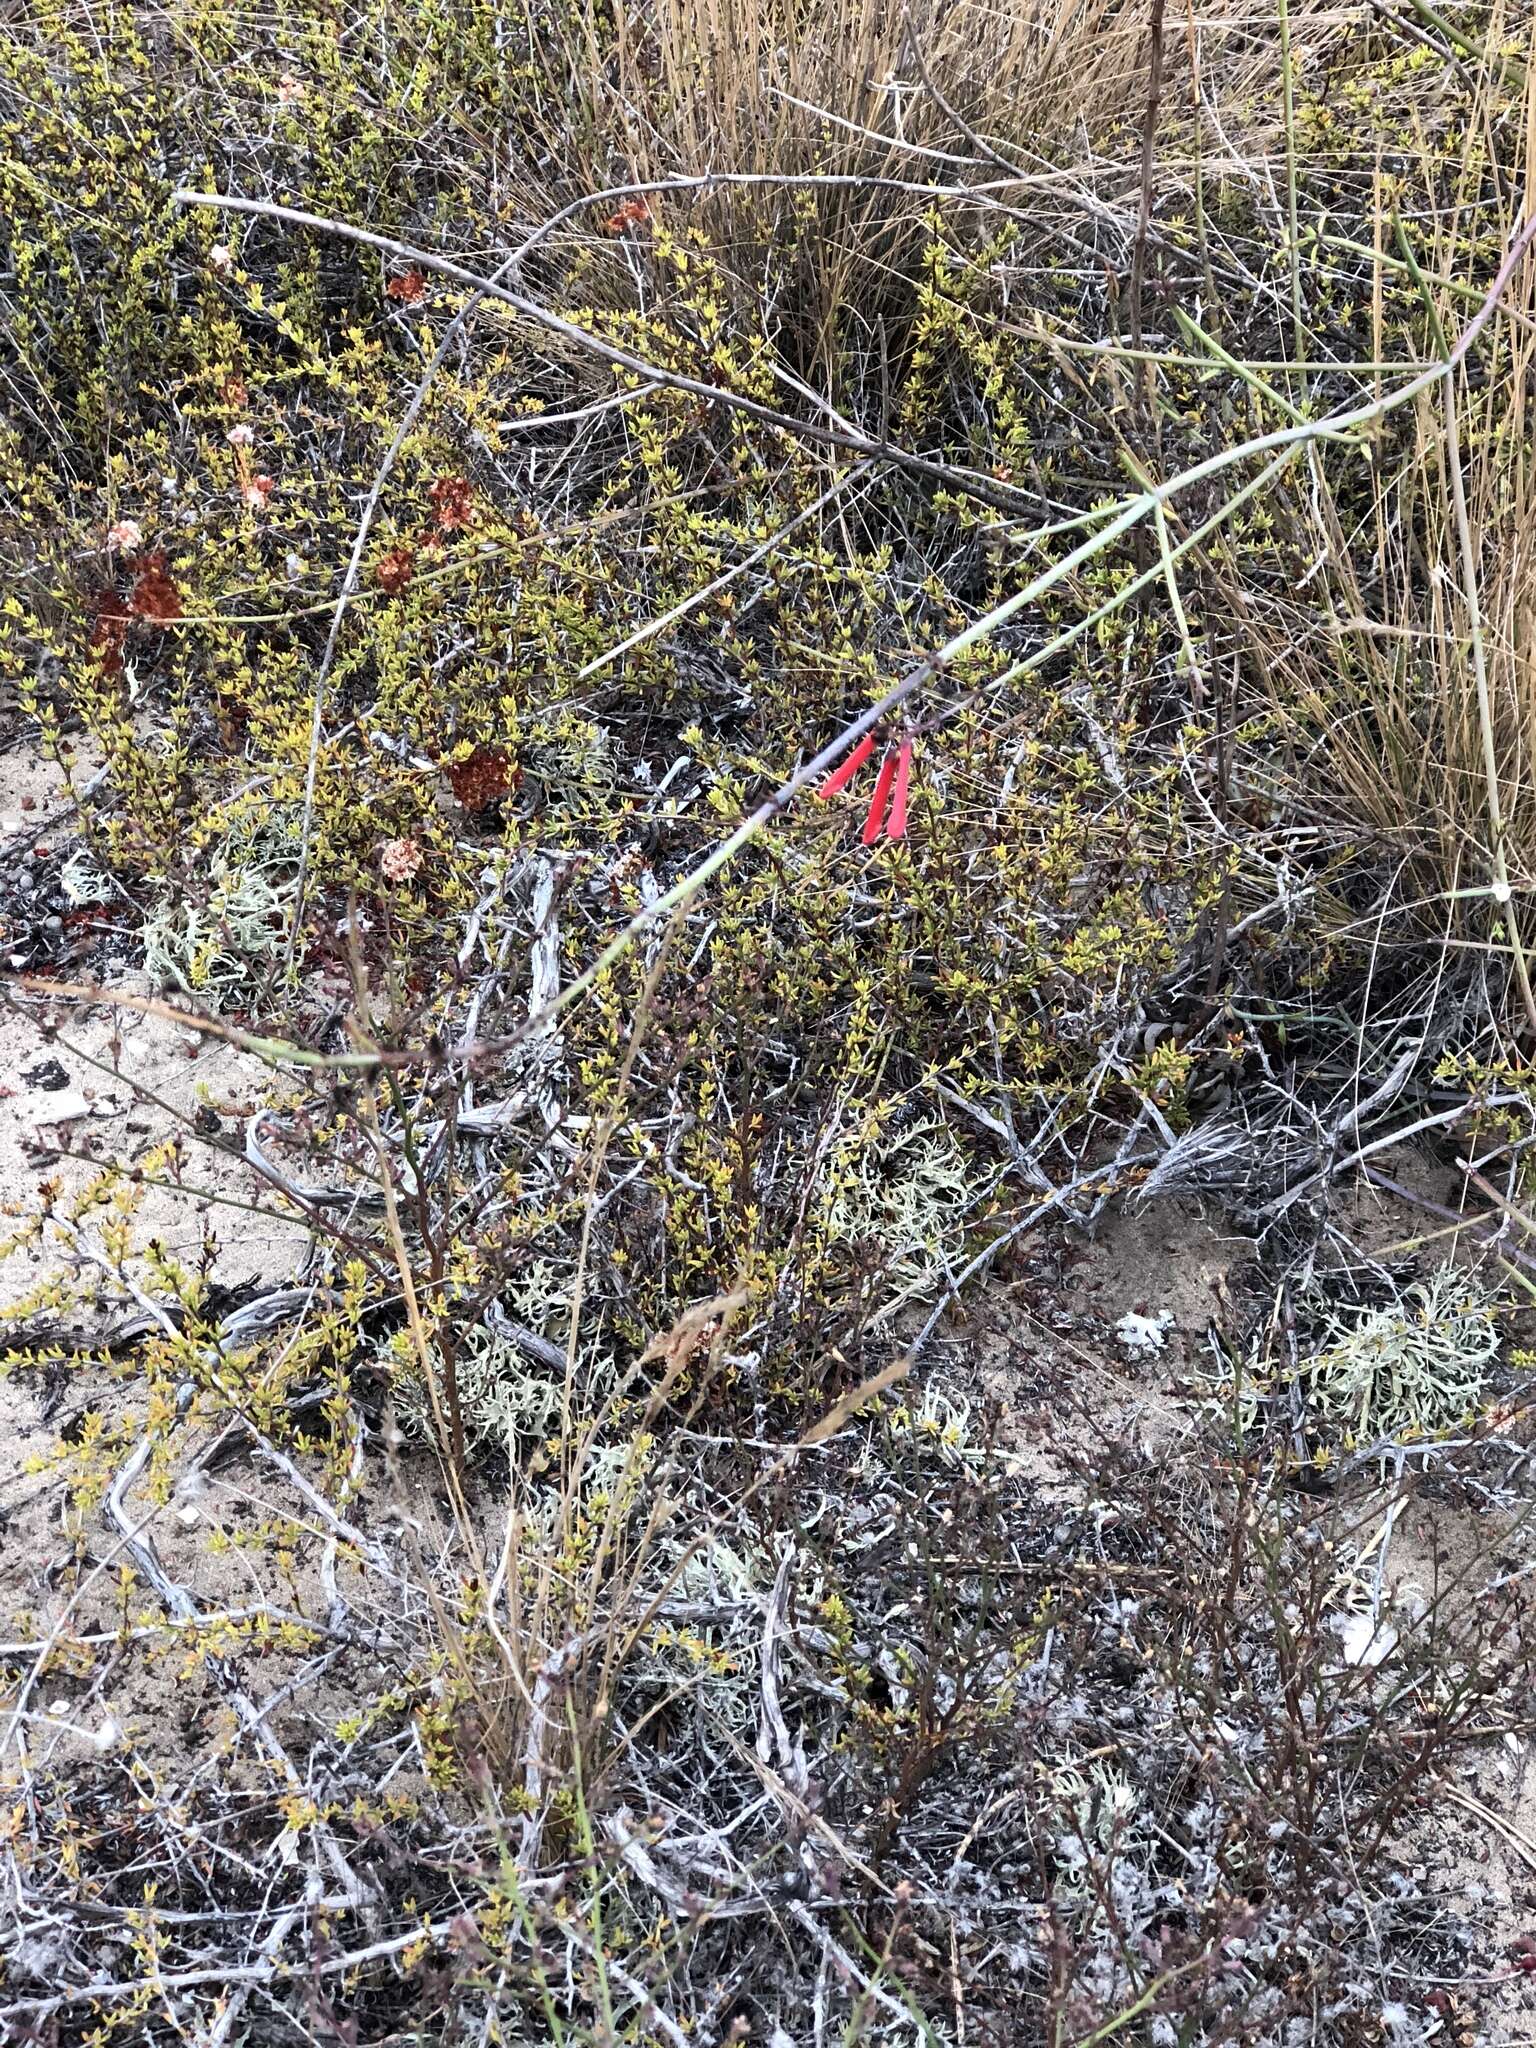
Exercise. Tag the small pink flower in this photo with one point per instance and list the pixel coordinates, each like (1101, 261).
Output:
(399, 860)
(126, 538)
(241, 436)
(256, 492)
(290, 90)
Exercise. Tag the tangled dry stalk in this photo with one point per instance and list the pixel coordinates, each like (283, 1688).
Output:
(712, 1526)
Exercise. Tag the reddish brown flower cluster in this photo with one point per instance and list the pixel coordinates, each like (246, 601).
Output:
(152, 597)
(110, 630)
(483, 779)
(453, 509)
(409, 288)
(395, 570)
(453, 502)
(888, 806)
(634, 213)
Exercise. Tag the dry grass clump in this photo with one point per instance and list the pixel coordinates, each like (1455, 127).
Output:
(1412, 615)
(1426, 714)
(839, 123)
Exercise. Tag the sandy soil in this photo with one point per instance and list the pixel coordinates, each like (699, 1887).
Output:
(104, 1098)
(90, 1089)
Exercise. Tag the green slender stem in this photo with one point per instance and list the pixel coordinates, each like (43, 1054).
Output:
(1191, 328)
(1457, 287)
(1459, 40)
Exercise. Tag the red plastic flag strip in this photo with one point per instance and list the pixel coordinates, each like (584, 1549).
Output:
(887, 811)
(896, 824)
(840, 778)
(874, 822)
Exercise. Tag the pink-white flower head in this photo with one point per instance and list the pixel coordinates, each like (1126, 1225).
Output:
(399, 860)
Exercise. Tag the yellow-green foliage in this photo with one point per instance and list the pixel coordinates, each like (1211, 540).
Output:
(1040, 885)
(771, 1125)
(225, 391)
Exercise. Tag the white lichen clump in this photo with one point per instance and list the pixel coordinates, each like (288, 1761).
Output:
(1414, 1368)
(506, 1398)
(1143, 1336)
(209, 941)
(902, 1196)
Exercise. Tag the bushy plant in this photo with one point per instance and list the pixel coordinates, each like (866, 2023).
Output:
(647, 1660)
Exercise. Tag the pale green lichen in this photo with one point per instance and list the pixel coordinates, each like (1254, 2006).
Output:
(208, 942)
(1414, 1368)
(903, 1196)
